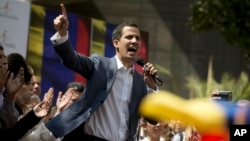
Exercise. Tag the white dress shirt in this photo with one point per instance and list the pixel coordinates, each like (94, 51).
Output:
(110, 121)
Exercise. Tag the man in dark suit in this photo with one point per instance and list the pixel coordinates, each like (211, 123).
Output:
(109, 106)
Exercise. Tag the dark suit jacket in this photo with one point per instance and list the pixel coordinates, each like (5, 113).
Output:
(100, 73)
(20, 128)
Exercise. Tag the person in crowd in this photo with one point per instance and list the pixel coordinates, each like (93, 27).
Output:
(3, 72)
(178, 130)
(15, 61)
(35, 83)
(78, 88)
(140, 133)
(26, 97)
(40, 133)
(172, 126)
(153, 132)
(190, 133)
(177, 126)
(8, 112)
(109, 106)
(26, 100)
(28, 121)
(14, 75)
(243, 103)
(168, 132)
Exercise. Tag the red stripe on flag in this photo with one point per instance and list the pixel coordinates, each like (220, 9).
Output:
(83, 42)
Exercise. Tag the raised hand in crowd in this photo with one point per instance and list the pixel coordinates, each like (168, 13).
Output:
(63, 100)
(61, 22)
(14, 83)
(42, 109)
(30, 120)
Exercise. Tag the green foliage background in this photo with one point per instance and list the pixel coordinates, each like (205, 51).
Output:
(239, 86)
(230, 17)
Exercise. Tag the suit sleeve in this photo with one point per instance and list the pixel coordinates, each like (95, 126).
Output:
(8, 114)
(74, 60)
(21, 127)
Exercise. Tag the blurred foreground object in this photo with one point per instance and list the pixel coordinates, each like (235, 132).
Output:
(204, 114)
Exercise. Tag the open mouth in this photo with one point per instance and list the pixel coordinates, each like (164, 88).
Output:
(132, 49)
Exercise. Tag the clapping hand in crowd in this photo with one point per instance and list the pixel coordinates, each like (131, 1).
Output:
(42, 109)
(14, 83)
(63, 100)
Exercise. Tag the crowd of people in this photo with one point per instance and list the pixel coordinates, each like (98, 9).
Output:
(22, 112)
(106, 108)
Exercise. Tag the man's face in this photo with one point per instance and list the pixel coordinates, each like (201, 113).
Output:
(128, 46)
(3, 58)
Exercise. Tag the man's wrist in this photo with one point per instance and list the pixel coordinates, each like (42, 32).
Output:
(9, 96)
(58, 39)
(62, 34)
(152, 86)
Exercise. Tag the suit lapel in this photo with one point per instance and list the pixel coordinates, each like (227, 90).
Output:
(112, 67)
(136, 91)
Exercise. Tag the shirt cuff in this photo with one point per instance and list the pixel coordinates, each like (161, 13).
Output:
(56, 39)
(150, 90)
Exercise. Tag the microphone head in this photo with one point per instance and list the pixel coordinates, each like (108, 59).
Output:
(140, 61)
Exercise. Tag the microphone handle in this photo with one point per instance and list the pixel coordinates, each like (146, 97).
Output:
(157, 79)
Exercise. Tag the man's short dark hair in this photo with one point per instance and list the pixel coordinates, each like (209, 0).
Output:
(15, 62)
(117, 33)
(77, 86)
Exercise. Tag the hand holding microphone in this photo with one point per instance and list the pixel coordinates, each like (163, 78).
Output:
(156, 78)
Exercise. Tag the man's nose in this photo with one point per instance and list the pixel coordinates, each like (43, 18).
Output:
(134, 39)
(36, 85)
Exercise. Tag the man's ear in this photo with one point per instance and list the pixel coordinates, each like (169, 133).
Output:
(115, 43)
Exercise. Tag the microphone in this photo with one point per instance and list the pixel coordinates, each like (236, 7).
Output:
(142, 63)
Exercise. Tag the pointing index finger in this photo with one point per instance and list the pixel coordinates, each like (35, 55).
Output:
(63, 10)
